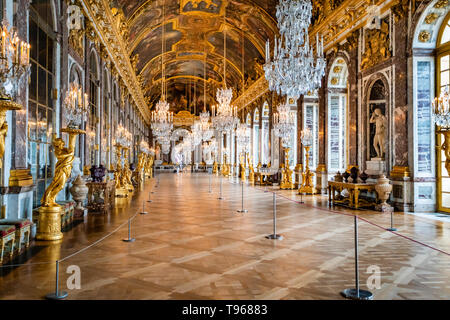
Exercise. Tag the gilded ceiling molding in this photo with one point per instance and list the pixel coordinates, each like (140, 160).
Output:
(107, 25)
(255, 91)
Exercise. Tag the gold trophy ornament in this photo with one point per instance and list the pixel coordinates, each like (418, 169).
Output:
(75, 108)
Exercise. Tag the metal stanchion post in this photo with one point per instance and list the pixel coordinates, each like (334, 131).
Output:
(130, 239)
(275, 236)
(143, 208)
(242, 200)
(149, 200)
(57, 295)
(392, 223)
(301, 198)
(357, 294)
(220, 194)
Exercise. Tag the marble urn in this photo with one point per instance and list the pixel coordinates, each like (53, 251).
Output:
(383, 189)
(79, 191)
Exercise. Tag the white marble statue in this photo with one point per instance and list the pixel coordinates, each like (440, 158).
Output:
(380, 132)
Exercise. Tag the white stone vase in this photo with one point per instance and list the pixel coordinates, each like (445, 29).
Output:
(79, 191)
(383, 189)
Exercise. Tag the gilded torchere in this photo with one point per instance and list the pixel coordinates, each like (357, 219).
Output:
(121, 191)
(242, 168)
(50, 211)
(307, 183)
(251, 171)
(286, 174)
(149, 166)
(127, 173)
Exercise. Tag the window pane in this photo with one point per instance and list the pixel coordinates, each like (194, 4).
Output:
(32, 159)
(444, 62)
(42, 86)
(32, 125)
(33, 81)
(49, 90)
(50, 54)
(41, 161)
(42, 124)
(446, 35)
(33, 40)
(49, 125)
(42, 45)
(444, 78)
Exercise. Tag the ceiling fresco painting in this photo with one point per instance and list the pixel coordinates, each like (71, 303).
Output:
(195, 28)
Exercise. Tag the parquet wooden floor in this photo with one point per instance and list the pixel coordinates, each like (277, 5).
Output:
(193, 246)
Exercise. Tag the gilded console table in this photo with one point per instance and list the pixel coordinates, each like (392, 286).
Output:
(354, 190)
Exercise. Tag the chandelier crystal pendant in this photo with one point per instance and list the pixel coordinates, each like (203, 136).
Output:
(294, 70)
(284, 124)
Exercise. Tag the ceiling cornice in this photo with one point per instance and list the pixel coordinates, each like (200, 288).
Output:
(107, 28)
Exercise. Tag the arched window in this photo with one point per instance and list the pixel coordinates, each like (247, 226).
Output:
(105, 132)
(337, 116)
(265, 143)
(311, 122)
(256, 137)
(41, 103)
(93, 101)
(443, 80)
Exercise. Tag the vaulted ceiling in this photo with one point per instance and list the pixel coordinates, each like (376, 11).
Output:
(194, 37)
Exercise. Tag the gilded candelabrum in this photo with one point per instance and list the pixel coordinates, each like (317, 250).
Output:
(215, 167)
(286, 173)
(127, 173)
(5, 105)
(139, 172)
(149, 166)
(307, 183)
(225, 167)
(121, 191)
(242, 168)
(50, 211)
(251, 171)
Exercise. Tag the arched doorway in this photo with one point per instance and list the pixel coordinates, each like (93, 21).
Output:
(443, 82)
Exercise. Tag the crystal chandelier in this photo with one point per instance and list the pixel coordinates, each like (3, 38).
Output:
(123, 137)
(284, 124)
(226, 117)
(162, 119)
(294, 70)
(76, 106)
(14, 61)
(441, 109)
(205, 126)
(144, 147)
(243, 136)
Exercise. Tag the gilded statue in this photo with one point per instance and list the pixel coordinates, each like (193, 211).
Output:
(127, 173)
(446, 148)
(380, 132)
(377, 46)
(3, 132)
(118, 171)
(63, 169)
(286, 173)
